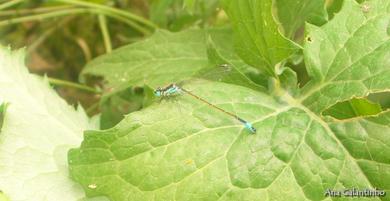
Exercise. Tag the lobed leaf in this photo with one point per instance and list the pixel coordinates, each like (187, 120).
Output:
(179, 140)
(183, 149)
(38, 129)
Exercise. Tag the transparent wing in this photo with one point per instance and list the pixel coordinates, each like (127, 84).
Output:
(220, 69)
(228, 73)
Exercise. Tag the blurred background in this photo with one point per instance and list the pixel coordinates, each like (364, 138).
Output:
(61, 36)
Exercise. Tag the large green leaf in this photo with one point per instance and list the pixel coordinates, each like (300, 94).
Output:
(178, 140)
(258, 40)
(38, 129)
(293, 14)
(182, 149)
(186, 151)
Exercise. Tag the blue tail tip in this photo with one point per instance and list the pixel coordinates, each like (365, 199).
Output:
(250, 127)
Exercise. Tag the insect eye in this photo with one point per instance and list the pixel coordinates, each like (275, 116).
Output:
(157, 92)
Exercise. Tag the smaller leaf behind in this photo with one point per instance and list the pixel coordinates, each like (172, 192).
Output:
(113, 107)
(176, 15)
(220, 69)
(355, 107)
(289, 81)
(257, 38)
(382, 98)
(293, 14)
(162, 59)
(158, 8)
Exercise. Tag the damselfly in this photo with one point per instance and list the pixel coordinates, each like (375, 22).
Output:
(173, 89)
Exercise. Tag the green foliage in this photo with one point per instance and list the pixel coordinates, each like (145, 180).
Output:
(162, 59)
(226, 70)
(178, 14)
(257, 37)
(181, 149)
(350, 62)
(382, 98)
(188, 125)
(289, 81)
(177, 55)
(115, 106)
(293, 14)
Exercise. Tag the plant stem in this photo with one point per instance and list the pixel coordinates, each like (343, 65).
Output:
(10, 4)
(64, 12)
(34, 11)
(115, 11)
(105, 33)
(65, 83)
(131, 23)
(42, 16)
